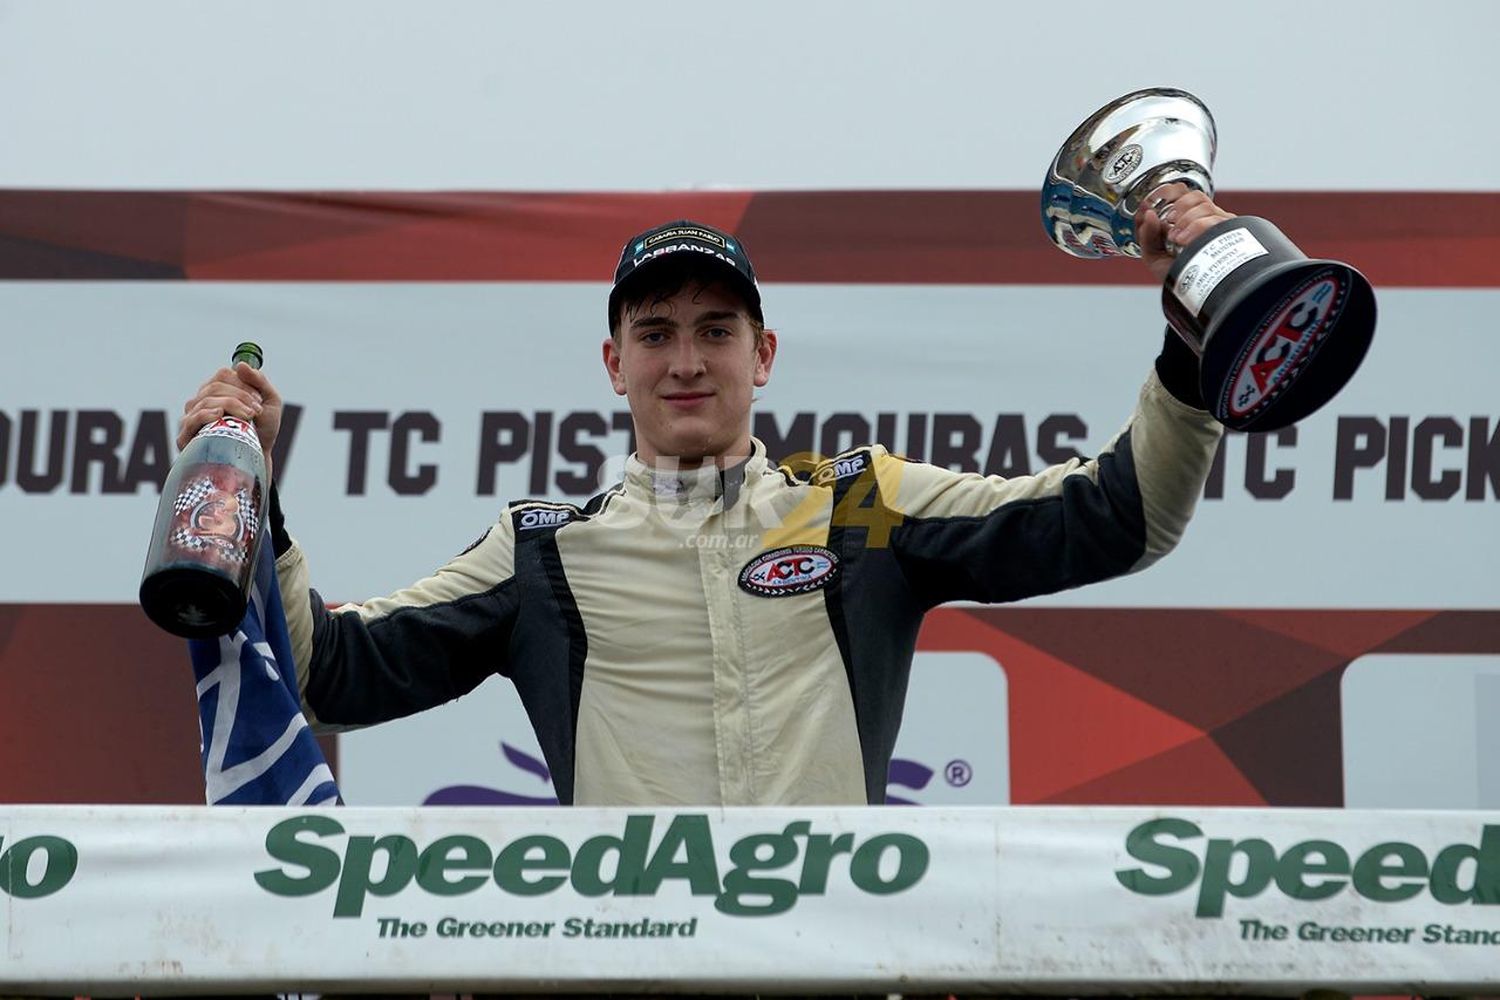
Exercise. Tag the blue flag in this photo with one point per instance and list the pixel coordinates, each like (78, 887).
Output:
(257, 746)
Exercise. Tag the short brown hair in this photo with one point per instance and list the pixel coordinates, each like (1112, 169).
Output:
(669, 278)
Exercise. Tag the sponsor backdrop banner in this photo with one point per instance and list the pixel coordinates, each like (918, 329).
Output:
(440, 355)
(185, 900)
(420, 410)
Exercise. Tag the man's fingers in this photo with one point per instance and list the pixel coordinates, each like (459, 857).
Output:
(1191, 214)
(1196, 221)
(241, 383)
(224, 393)
(1167, 214)
(1170, 201)
(1150, 231)
(1185, 226)
(1170, 217)
(239, 378)
(202, 411)
(193, 421)
(1167, 192)
(240, 392)
(225, 396)
(256, 381)
(224, 376)
(235, 406)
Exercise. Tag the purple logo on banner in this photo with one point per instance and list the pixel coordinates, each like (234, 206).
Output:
(907, 775)
(479, 795)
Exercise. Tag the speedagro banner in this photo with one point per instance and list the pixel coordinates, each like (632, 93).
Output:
(183, 900)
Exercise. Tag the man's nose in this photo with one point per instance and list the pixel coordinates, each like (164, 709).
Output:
(687, 358)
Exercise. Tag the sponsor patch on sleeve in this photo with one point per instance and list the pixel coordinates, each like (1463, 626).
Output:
(532, 518)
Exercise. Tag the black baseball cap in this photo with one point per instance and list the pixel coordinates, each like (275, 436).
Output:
(685, 240)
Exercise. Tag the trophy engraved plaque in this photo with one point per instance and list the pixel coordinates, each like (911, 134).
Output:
(1277, 335)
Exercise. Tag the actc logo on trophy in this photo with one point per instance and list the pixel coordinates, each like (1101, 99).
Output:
(1277, 335)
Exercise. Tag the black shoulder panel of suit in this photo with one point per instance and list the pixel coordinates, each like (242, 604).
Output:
(549, 646)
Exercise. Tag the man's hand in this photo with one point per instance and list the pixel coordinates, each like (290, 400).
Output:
(1189, 214)
(241, 392)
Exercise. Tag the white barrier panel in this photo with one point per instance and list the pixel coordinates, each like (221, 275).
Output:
(1045, 899)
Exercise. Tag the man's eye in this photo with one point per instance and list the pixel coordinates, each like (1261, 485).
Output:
(653, 336)
(718, 332)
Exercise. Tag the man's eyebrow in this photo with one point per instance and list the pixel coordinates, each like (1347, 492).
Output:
(716, 315)
(711, 316)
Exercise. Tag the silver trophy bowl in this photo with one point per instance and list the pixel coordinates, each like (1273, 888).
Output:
(1123, 152)
(1277, 335)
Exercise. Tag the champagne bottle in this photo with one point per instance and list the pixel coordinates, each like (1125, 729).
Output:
(209, 525)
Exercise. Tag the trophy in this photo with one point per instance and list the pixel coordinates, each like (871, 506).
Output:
(1276, 334)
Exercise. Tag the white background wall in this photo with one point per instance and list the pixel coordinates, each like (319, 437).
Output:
(755, 94)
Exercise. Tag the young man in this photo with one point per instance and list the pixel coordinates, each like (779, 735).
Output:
(716, 630)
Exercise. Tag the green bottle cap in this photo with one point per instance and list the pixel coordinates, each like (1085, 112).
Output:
(249, 353)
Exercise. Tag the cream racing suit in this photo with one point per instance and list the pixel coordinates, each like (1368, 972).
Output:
(740, 637)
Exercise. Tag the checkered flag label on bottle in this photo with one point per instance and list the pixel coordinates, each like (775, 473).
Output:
(215, 515)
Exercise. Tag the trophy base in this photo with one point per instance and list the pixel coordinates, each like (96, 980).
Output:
(1278, 335)
(191, 602)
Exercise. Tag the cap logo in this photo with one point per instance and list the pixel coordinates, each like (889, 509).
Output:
(673, 248)
(685, 233)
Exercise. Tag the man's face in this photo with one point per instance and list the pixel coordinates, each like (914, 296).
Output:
(689, 366)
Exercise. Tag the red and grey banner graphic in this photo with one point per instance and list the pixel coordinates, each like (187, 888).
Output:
(1397, 238)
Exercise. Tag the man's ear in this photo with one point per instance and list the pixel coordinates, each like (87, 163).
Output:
(765, 356)
(612, 365)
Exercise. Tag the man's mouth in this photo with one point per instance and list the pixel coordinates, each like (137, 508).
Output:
(686, 400)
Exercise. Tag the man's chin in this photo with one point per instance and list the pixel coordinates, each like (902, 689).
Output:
(690, 449)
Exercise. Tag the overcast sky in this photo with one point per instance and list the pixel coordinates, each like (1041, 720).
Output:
(765, 94)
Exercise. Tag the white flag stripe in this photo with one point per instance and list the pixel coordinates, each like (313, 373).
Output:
(264, 649)
(222, 782)
(319, 776)
(209, 680)
(228, 672)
